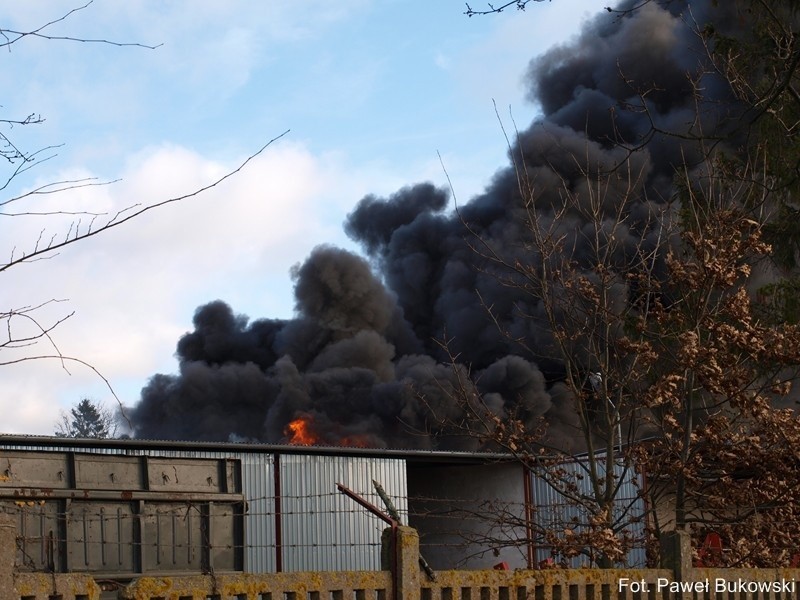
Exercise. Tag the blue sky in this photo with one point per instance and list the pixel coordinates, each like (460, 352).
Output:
(372, 92)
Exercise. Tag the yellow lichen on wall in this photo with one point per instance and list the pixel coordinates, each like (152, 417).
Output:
(252, 585)
(68, 585)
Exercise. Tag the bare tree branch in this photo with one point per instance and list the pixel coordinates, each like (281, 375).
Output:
(122, 216)
(12, 36)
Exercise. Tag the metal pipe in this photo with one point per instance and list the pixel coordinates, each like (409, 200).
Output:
(367, 504)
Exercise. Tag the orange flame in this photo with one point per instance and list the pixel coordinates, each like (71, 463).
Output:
(300, 432)
(355, 441)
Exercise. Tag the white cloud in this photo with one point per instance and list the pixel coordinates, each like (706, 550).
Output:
(134, 289)
(25, 405)
(494, 67)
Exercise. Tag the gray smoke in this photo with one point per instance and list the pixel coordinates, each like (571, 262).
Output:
(362, 360)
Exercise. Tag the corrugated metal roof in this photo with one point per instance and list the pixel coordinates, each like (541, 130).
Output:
(87, 444)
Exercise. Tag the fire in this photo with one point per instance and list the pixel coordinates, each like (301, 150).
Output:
(355, 441)
(300, 432)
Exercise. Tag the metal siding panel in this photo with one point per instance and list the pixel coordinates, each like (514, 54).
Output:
(550, 509)
(630, 490)
(323, 529)
(258, 486)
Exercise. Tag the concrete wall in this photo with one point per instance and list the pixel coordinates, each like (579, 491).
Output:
(406, 582)
(469, 516)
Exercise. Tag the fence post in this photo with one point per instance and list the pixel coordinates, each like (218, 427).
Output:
(676, 553)
(400, 554)
(8, 555)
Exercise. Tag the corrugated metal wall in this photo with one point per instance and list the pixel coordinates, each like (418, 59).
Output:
(258, 486)
(553, 511)
(321, 528)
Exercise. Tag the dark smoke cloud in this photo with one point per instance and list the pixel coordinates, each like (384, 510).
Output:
(362, 359)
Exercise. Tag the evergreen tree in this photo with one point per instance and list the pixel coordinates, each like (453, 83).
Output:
(86, 420)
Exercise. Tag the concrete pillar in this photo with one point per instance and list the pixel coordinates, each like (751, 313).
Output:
(676, 553)
(405, 565)
(8, 555)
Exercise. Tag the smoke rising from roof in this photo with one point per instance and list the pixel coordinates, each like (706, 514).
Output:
(362, 360)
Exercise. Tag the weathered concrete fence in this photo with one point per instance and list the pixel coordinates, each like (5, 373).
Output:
(402, 579)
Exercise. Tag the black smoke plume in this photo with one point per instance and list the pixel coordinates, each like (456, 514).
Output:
(362, 361)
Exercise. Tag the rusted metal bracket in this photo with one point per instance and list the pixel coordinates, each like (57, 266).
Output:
(368, 505)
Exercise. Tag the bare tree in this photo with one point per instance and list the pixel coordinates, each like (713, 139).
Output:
(585, 303)
(667, 369)
(675, 362)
